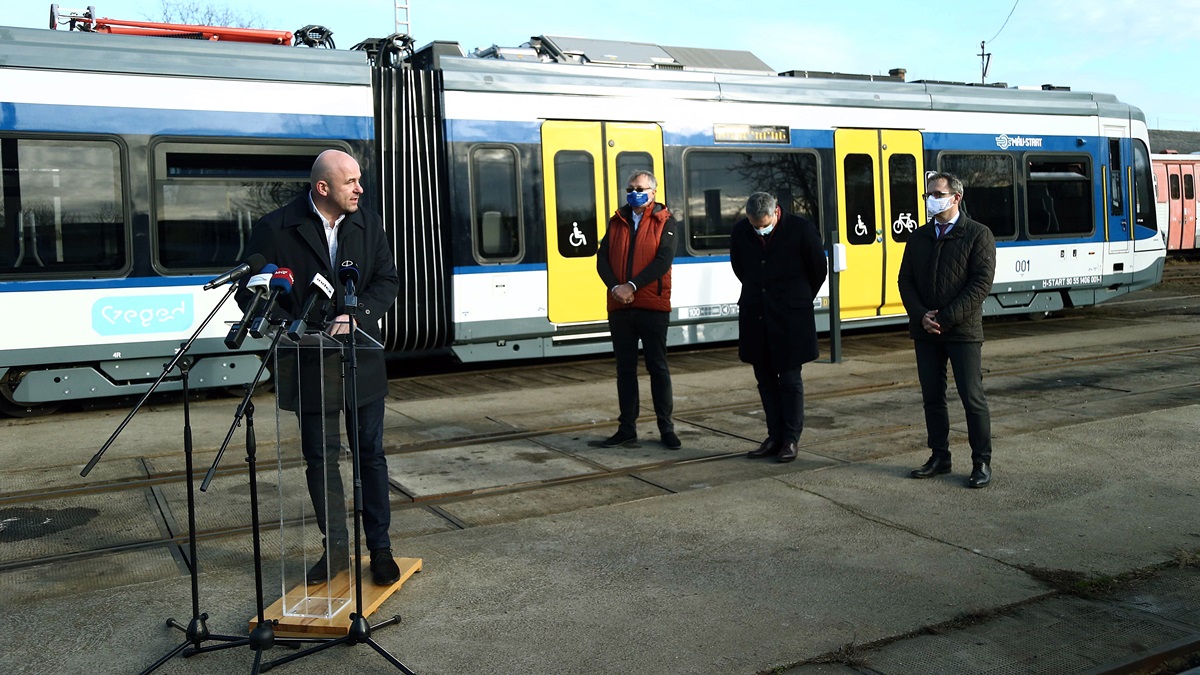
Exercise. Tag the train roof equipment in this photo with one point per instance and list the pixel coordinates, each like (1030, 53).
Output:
(85, 20)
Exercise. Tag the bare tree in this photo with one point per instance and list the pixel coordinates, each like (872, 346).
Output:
(206, 14)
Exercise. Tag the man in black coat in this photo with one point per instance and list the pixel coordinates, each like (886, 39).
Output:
(780, 262)
(945, 276)
(322, 232)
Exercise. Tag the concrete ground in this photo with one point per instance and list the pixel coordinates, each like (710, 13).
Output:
(1083, 552)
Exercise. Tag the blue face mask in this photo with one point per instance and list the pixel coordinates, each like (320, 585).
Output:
(766, 230)
(638, 199)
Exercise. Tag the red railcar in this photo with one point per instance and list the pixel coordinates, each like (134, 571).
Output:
(1175, 178)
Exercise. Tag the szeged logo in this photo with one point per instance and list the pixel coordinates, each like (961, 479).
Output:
(1004, 142)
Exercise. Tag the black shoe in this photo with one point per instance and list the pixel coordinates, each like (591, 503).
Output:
(620, 438)
(787, 453)
(384, 570)
(769, 448)
(327, 568)
(981, 475)
(670, 440)
(936, 466)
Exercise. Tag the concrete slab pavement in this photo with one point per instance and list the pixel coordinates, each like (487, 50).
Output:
(742, 577)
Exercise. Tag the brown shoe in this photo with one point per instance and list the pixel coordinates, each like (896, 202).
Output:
(769, 448)
(787, 453)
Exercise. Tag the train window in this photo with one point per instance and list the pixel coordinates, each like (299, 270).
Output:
(61, 208)
(1116, 194)
(860, 199)
(495, 204)
(902, 195)
(628, 162)
(989, 189)
(1143, 184)
(1189, 187)
(718, 183)
(1173, 180)
(209, 196)
(575, 200)
(1059, 195)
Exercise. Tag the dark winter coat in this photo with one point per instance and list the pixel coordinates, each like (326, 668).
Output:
(293, 237)
(952, 275)
(781, 275)
(643, 257)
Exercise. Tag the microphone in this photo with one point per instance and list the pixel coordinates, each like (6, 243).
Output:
(348, 275)
(259, 283)
(281, 284)
(298, 326)
(252, 265)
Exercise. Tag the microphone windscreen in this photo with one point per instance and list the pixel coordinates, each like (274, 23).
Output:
(282, 279)
(257, 262)
(323, 284)
(348, 272)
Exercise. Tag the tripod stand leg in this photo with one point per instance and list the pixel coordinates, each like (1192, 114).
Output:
(302, 653)
(387, 655)
(167, 657)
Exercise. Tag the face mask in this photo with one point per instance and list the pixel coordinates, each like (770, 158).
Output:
(638, 199)
(934, 206)
(766, 230)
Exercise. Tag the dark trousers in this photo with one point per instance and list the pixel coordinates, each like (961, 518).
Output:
(321, 450)
(782, 394)
(966, 359)
(627, 326)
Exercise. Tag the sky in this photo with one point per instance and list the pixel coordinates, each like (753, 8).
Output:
(1136, 50)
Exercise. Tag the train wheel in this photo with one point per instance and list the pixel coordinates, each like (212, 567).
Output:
(12, 408)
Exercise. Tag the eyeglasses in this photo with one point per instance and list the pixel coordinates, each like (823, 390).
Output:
(638, 189)
(937, 195)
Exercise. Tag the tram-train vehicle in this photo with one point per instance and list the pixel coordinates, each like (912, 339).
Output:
(1177, 200)
(134, 167)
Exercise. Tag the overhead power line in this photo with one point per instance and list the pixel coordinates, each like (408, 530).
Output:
(1010, 13)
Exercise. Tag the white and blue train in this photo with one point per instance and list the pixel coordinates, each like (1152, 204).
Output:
(132, 169)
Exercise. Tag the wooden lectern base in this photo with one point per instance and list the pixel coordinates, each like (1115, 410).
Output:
(339, 587)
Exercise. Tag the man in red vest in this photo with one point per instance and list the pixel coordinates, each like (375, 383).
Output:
(634, 261)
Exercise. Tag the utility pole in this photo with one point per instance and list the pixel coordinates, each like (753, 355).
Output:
(402, 19)
(985, 61)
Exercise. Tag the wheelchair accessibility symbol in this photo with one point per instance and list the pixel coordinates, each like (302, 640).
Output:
(860, 228)
(577, 239)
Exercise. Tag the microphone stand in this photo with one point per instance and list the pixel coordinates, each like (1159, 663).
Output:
(196, 632)
(360, 628)
(262, 637)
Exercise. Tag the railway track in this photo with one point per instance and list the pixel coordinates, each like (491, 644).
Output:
(157, 483)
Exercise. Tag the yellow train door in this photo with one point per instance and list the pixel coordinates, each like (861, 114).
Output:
(880, 178)
(585, 166)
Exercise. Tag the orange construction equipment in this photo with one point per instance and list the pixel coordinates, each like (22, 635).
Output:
(86, 21)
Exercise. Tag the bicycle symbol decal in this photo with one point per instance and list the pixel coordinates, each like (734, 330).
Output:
(577, 239)
(904, 223)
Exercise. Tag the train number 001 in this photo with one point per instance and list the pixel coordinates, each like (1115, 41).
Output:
(1022, 266)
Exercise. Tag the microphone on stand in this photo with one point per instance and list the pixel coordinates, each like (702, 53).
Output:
(252, 265)
(281, 284)
(320, 283)
(260, 284)
(348, 275)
